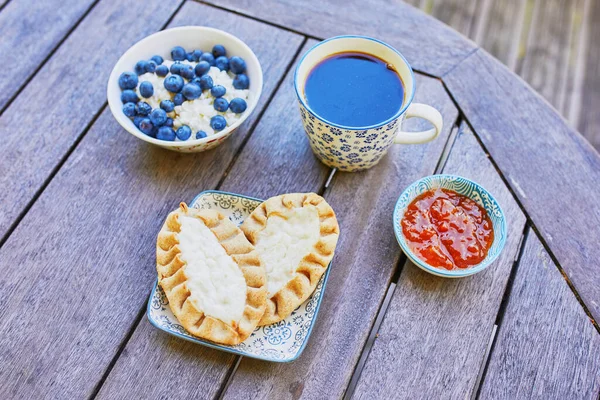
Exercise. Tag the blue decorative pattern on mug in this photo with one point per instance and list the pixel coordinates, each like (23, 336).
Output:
(345, 149)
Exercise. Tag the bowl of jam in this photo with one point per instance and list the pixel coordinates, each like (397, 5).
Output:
(449, 226)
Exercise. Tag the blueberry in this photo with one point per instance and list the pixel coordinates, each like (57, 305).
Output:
(137, 120)
(201, 68)
(184, 132)
(218, 123)
(222, 63)
(241, 81)
(206, 82)
(158, 116)
(221, 104)
(143, 108)
(201, 135)
(162, 70)
(129, 96)
(176, 68)
(165, 133)
(208, 58)
(218, 91)
(237, 64)
(129, 109)
(178, 99)
(167, 105)
(151, 67)
(128, 80)
(189, 56)
(191, 91)
(173, 83)
(169, 122)
(197, 54)
(238, 105)
(187, 71)
(219, 51)
(141, 67)
(196, 81)
(154, 132)
(178, 53)
(157, 59)
(146, 126)
(146, 89)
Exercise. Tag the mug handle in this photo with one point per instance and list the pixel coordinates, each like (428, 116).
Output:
(417, 110)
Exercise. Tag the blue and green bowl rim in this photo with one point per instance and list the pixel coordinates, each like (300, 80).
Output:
(441, 180)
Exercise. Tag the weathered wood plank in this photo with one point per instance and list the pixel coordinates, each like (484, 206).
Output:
(546, 348)
(44, 121)
(365, 260)
(78, 268)
(429, 45)
(435, 333)
(500, 27)
(189, 370)
(553, 171)
(585, 115)
(461, 15)
(546, 60)
(22, 45)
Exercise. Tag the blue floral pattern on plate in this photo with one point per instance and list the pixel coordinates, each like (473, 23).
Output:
(467, 188)
(280, 342)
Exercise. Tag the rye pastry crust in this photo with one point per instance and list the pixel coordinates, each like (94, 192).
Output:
(295, 235)
(210, 297)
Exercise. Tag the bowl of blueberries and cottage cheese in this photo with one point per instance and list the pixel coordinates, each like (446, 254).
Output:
(185, 89)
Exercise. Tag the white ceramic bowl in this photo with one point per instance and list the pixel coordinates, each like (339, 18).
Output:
(190, 38)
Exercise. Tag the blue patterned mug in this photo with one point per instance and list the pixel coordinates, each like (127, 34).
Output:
(349, 148)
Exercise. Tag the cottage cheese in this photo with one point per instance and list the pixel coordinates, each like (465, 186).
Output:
(160, 93)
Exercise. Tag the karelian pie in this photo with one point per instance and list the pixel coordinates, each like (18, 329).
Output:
(211, 275)
(295, 235)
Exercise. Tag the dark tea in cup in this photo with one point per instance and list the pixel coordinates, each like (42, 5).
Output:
(354, 89)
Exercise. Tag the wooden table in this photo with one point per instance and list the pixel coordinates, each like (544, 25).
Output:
(82, 200)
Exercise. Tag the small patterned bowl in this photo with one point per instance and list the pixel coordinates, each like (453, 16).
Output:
(190, 37)
(467, 188)
(280, 342)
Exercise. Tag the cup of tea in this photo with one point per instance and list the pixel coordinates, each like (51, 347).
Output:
(354, 92)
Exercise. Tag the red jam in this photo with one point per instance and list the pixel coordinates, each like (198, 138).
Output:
(447, 230)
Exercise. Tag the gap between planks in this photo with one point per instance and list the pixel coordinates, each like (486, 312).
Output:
(4, 5)
(34, 73)
(529, 221)
(120, 349)
(261, 113)
(500, 315)
(50, 176)
(141, 312)
(403, 260)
